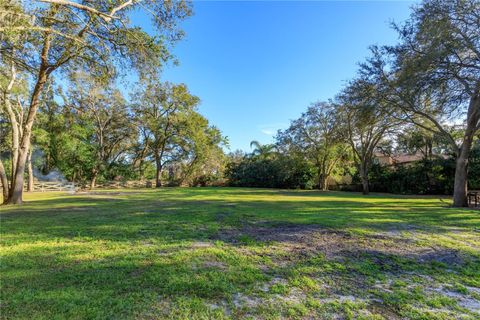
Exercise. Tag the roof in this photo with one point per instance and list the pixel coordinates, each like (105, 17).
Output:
(404, 158)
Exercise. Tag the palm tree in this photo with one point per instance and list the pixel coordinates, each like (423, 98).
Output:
(263, 151)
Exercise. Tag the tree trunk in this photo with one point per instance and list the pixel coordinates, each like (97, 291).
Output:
(461, 168)
(4, 181)
(322, 182)
(94, 179)
(30, 171)
(365, 187)
(16, 188)
(461, 180)
(158, 173)
(364, 177)
(158, 176)
(141, 172)
(14, 123)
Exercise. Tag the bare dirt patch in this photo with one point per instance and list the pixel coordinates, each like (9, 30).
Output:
(215, 265)
(307, 240)
(465, 301)
(378, 308)
(201, 245)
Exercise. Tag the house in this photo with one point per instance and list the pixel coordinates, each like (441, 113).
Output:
(400, 159)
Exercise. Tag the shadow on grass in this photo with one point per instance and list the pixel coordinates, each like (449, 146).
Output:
(196, 214)
(119, 254)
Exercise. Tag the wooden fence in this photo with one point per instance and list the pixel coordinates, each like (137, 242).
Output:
(52, 186)
(42, 186)
(124, 184)
(39, 186)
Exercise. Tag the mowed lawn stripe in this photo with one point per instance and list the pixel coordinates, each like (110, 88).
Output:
(236, 253)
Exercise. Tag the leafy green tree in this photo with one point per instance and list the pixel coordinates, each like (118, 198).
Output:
(283, 171)
(315, 135)
(50, 129)
(102, 107)
(414, 139)
(12, 99)
(263, 151)
(433, 75)
(367, 121)
(140, 151)
(165, 113)
(205, 161)
(62, 35)
(64, 138)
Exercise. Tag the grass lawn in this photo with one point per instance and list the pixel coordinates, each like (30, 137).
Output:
(207, 253)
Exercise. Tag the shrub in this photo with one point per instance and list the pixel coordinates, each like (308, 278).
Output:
(280, 172)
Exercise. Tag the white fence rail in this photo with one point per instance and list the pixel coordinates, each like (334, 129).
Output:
(52, 186)
(39, 186)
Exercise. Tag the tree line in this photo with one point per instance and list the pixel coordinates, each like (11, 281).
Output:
(65, 66)
(91, 129)
(417, 94)
(93, 133)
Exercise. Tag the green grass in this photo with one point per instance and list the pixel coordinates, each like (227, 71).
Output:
(214, 253)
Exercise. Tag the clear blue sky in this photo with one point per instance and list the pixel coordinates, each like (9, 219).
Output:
(258, 65)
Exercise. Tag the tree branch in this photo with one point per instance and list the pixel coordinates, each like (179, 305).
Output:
(105, 16)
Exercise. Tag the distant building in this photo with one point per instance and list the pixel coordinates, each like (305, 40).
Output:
(401, 159)
(384, 159)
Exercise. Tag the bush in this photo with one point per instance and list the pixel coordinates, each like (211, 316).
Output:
(474, 168)
(281, 172)
(434, 176)
(422, 177)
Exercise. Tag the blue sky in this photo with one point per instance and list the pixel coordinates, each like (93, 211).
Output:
(258, 65)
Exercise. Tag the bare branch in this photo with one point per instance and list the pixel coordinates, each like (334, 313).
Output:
(122, 6)
(104, 16)
(43, 29)
(12, 80)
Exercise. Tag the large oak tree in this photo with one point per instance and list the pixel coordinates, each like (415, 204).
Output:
(316, 136)
(164, 113)
(48, 36)
(367, 120)
(433, 75)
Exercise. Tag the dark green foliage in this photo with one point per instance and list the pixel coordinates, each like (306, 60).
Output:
(435, 176)
(474, 169)
(423, 177)
(280, 172)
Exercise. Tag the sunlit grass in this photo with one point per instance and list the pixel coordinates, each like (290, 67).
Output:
(165, 254)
